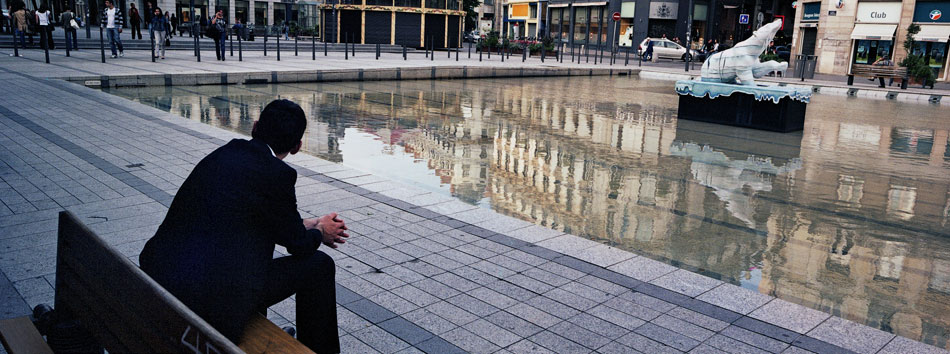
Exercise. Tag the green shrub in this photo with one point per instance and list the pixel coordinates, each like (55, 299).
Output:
(915, 64)
(770, 56)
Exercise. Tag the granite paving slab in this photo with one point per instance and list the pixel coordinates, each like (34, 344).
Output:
(442, 279)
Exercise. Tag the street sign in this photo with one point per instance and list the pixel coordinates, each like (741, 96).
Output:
(744, 19)
(616, 16)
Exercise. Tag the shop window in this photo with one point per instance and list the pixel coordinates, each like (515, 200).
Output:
(580, 24)
(935, 54)
(869, 51)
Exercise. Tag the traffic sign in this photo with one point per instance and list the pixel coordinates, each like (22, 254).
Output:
(616, 16)
(744, 19)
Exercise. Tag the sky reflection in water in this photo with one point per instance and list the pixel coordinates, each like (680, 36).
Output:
(849, 216)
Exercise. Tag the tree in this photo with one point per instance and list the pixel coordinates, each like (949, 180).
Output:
(471, 16)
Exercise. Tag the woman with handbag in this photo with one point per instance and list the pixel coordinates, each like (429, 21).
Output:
(160, 29)
(70, 26)
(44, 18)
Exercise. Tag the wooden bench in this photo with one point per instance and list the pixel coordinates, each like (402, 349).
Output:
(880, 72)
(127, 311)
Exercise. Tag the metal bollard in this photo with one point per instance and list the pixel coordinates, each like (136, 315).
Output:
(480, 51)
(313, 47)
(470, 51)
(432, 48)
(524, 53)
(16, 47)
(67, 43)
(346, 48)
(240, 50)
(231, 41)
(102, 45)
(457, 53)
(295, 46)
(587, 54)
(377, 51)
(626, 59)
(448, 53)
(325, 47)
(151, 37)
(265, 41)
(278, 48)
(198, 49)
(572, 53)
(404, 53)
(500, 51)
(542, 52)
(353, 46)
(46, 49)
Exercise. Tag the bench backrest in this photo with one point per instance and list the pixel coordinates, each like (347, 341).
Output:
(121, 306)
(882, 70)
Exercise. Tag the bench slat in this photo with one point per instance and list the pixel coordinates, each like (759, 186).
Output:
(172, 324)
(263, 336)
(20, 336)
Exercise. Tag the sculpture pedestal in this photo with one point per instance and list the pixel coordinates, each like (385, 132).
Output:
(778, 109)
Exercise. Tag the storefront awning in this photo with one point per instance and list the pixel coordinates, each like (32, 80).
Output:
(558, 5)
(873, 31)
(601, 3)
(933, 33)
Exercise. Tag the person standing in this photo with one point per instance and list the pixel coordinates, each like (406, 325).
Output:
(219, 33)
(214, 249)
(159, 28)
(174, 21)
(20, 24)
(68, 19)
(135, 21)
(113, 25)
(148, 12)
(44, 18)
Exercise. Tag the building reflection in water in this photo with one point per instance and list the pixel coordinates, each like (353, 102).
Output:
(849, 216)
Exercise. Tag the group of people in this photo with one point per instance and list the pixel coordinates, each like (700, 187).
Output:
(25, 22)
(160, 25)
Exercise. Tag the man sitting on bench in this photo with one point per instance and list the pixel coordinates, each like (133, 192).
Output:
(214, 250)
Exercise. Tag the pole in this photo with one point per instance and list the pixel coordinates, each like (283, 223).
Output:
(278, 47)
(325, 47)
(626, 59)
(265, 41)
(16, 46)
(198, 48)
(470, 51)
(353, 46)
(151, 37)
(295, 45)
(457, 50)
(86, 22)
(480, 51)
(231, 41)
(67, 41)
(404, 53)
(346, 48)
(46, 47)
(240, 49)
(432, 48)
(689, 31)
(377, 51)
(102, 45)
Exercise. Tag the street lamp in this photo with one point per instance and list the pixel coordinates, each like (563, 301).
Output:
(689, 32)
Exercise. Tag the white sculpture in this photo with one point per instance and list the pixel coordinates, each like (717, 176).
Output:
(742, 61)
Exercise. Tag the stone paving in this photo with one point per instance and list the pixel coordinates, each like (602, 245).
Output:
(422, 272)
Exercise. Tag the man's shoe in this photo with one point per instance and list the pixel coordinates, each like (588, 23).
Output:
(121, 54)
(291, 331)
(112, 56)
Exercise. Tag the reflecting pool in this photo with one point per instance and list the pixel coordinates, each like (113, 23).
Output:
(849, 216)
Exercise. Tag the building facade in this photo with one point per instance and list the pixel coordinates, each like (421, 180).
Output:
(413, 23)
(842, 33)
(525, 18)
(727, 21)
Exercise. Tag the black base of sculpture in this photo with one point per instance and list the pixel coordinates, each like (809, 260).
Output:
(743, 110)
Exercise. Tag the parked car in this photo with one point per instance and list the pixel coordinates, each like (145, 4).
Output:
(783, 52)
(665, 48)
(471, 37)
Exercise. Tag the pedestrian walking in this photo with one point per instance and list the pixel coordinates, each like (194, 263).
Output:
(113, 26)
(159, 28)
(135, 21)
(174, 21)
(44, 19)
(218, 29)
(20, 24)
(285, 29)
(70, 26)
(148, 12)
(648, 54)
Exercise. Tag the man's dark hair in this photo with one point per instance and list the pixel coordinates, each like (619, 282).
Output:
(280, 126)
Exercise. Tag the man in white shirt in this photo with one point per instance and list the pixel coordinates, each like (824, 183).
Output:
(112, 20)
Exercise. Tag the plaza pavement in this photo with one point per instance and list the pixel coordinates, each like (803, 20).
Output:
(421, 272)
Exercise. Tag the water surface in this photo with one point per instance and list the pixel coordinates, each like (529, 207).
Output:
(849, 216)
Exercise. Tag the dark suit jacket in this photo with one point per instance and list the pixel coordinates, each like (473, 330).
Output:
(213, 249)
